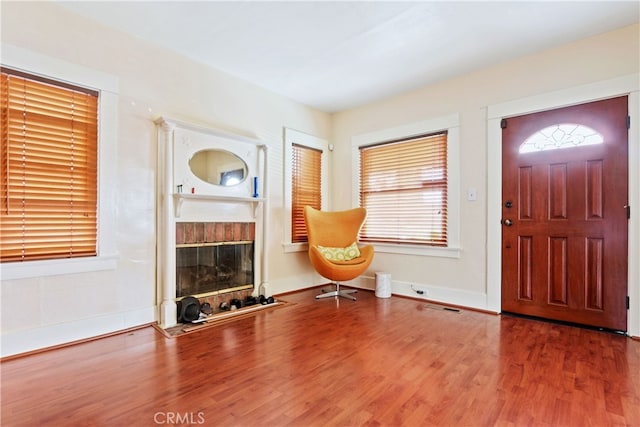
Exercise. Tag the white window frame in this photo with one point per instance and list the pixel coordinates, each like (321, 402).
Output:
(292, 136)
(451, 124)
(56, 69)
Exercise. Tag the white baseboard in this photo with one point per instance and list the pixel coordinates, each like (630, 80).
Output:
(458, 297)
(434, 293)
(24, 341)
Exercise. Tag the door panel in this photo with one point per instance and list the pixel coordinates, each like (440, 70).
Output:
(564, 240)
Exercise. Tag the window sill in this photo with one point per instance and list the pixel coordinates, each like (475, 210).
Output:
(31, 269)
(295, 247)
(450, 252)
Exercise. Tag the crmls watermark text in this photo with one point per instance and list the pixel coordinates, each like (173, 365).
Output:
(178, 418)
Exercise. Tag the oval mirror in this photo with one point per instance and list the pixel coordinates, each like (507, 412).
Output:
(218, 167)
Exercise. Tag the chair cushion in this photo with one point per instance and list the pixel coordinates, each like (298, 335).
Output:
(354, 261)
(340, 254)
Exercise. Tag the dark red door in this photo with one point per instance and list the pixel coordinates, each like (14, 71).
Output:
(564, 215)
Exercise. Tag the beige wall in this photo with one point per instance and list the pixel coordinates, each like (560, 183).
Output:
(153, 82)
(463, 280)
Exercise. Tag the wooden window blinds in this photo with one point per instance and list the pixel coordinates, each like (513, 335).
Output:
(48, 169)
(403, 186)
(306, 186)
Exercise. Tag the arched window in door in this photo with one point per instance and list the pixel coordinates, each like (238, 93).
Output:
(564, 135)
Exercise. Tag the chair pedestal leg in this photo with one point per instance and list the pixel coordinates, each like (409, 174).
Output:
(346, 293)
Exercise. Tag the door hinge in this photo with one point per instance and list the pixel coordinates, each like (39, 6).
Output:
(503, 124)
(628, 209)
(627, 303)
(628, 122)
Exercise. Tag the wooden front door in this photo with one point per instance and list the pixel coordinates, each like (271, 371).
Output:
(564, 214)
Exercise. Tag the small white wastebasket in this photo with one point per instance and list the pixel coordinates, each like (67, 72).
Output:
(383, 285)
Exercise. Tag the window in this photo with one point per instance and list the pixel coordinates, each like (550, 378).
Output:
(306, 179)
(403, 186)
(49, 169)
(233, 177)
(50, 68)
(407, 178)
(305, 183)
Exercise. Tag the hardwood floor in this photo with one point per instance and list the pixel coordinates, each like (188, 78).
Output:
(376, 362)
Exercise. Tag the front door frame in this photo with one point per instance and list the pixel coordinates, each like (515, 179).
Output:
(624, 85)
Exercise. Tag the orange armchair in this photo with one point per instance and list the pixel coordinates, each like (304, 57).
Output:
(337, 229)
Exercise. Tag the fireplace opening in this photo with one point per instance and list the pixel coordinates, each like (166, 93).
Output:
(212, 268)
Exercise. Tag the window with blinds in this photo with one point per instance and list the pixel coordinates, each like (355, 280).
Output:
(48, 169)
(306, 186)
(403, 186)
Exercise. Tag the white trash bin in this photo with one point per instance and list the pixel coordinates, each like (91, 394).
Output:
(383, 285)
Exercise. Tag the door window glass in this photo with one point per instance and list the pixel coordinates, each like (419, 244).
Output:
(564, 135)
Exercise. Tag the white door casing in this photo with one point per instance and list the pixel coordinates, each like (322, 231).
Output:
(629, 84)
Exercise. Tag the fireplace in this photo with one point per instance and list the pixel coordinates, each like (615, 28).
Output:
(208, 269)
(214, 258)
(211, 233)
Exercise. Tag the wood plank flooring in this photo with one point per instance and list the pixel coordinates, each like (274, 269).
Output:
(374, 362)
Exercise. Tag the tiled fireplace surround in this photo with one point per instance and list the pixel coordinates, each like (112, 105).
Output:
(194, 233)
(214, 232)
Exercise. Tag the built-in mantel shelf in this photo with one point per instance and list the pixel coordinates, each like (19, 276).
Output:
(179, 198)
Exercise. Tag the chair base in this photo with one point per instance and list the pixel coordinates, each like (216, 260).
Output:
(346, 293)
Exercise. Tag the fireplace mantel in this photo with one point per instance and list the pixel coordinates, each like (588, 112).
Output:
(179, 199)
(178, 142)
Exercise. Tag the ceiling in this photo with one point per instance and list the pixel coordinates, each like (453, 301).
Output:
(338, 55)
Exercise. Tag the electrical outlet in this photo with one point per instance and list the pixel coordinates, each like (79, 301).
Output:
(419, 290)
